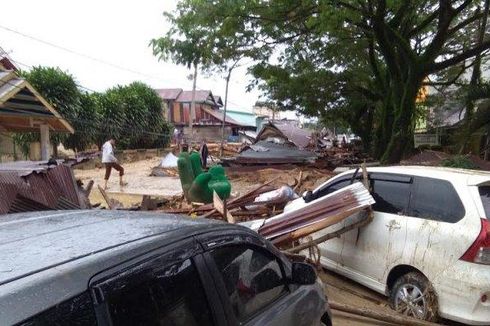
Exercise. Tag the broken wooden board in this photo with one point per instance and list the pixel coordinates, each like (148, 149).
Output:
(220, 206)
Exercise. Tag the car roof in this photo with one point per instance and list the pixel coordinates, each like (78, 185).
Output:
(470, 177)
(52, 238)
(46, 256)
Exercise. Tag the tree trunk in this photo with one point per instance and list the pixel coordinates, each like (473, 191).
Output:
(402, 126)
(383, 130)
(486, 152)
(474, 82)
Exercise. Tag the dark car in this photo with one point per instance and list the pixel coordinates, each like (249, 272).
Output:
(129, 268)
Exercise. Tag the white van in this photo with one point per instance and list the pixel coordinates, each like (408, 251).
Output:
(428, 247)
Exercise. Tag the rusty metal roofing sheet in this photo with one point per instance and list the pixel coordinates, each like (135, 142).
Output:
(48, 189)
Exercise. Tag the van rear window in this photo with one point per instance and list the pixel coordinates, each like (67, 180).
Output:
(485, 199)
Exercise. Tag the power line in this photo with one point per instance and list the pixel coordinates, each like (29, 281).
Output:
(92, 57)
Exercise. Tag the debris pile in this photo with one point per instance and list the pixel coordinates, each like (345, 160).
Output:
(287, 227)
(265, 152)
(30, 186)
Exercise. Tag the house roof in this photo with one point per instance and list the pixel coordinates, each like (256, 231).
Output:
(22, 108)
(245, 118)
(218, 114)
(201, 97)
(169, 93)
(268, 152)
(297, 136)
(218, 100)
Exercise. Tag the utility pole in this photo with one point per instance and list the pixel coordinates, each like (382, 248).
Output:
(192, 114)
(224, 110)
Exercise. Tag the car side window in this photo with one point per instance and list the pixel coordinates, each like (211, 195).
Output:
(76, 311)
(253, 279)
(390, 196)
(436, 199)
(485, 199)
(157, 294)
(329, 188)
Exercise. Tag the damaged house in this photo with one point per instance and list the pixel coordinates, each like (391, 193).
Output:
(278, 143)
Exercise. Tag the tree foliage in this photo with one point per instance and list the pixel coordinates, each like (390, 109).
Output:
(364, 60)
(132, 114)
(61, 91)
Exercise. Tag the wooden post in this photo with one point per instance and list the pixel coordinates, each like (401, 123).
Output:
(192, 114)
(44, 129)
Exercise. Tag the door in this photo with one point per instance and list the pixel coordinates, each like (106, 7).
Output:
(438, 232)
(255, 289)
(158, 289)
(332, 249)
(370, 251)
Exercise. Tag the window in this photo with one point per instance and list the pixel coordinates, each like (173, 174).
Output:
(150, 294)
(329, 188)
(77, 311)
(390, 196)
(252, 278)
(485, 199)
(436, 199)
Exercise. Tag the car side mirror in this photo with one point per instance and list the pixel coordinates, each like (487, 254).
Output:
(303, 274)
(308, 196)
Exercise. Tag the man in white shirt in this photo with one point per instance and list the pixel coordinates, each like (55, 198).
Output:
(110, 162)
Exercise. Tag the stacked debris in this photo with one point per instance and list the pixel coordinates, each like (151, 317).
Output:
(241, 208)
(277, 143)
(287, 227)
(30, 186)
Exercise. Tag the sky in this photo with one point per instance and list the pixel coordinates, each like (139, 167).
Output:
(114, 32)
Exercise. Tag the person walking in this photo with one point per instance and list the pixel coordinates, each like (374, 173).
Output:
(110, 162)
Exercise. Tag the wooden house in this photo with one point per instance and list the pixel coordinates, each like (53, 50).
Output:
(208, 117)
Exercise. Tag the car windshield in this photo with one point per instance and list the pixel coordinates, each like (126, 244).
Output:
(485, 199)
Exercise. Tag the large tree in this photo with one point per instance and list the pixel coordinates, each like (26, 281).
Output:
(377, 54)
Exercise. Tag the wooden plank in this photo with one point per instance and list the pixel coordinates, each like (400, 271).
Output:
(221, 208)
(238, 199)
(106, 198)
(378, 315)
(332, 235)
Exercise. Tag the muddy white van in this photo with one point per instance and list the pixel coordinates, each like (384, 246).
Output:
(428, 247)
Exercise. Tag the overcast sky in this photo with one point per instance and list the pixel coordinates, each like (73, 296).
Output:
(114, 31)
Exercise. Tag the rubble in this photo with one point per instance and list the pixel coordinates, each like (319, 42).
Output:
(265, 152)
(317, 215)
(35, 186)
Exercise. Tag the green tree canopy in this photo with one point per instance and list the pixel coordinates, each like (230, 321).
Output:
(133, 116)
(365, 59)
(59, 88)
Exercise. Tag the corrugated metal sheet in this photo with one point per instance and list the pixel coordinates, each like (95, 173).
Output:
(52, 188)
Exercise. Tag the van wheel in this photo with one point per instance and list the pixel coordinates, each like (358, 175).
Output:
(413, 295)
